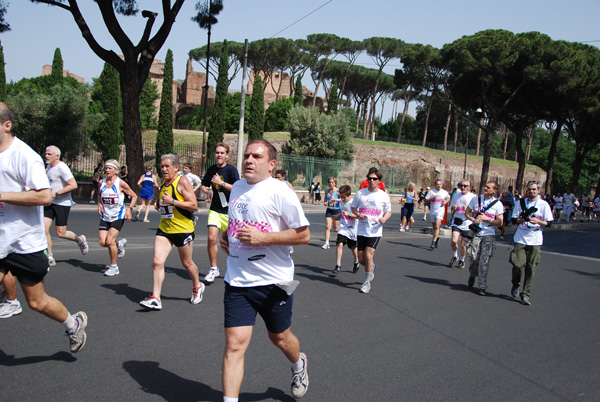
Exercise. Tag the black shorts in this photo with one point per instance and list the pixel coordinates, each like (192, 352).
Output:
(462, 232)
(118, 224)
(30, 269)
(271, 302)
(344, 240)
(58, 213)
(178, 239)
(364, 242)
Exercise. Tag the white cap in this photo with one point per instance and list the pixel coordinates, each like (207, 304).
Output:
(428, 188)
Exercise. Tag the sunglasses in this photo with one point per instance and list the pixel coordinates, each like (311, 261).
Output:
(465, 185)
(372, 178)
(532, 182)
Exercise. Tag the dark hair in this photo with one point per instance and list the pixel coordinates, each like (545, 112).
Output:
(6, 114)
(375, 171)
(281, 172)
(270, 148)
(345, 190)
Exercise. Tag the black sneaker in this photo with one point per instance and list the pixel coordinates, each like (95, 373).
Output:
(452, 262)
(514, 292)
(481, 292)
(336, 270)
(461, 264)
(432, 247)
(437, 243)
(471, 281)
(355, 268)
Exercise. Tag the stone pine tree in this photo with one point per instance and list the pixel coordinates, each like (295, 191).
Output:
(164, 136)
(333, 101)
(219, 116)
(56, 76)
(2, 76)
(298, 99)
(256, 118)
(106, 99)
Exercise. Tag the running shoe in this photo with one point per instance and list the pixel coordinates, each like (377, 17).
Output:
(197, 294)
(78, 337)
(83, 245)
(146, 220)
(355, 268)
(336, 270)
(432, 247)
(482, 292)
(51, 260)
(461, 265)
(300, 379)
(437, 243)
(514, 292)
(121, 244)
(212, 274)
(452, 262)
(366, 287)
(152, 303)
(137, 215)
(525, 300)
(92, 202)
(111, 270)
(9, 309)
(402, 229)
(195, 220)
(325, 246)
(291, 249)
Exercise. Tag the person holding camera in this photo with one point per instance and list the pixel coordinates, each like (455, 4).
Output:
(531, 213)
(486, 212)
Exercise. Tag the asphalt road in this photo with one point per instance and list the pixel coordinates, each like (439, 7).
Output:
(420, 335)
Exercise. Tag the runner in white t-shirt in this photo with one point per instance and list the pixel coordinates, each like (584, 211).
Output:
(569, 204)
(460, 223)
(373, 209)
(62, 183)
(265, 218)
(528, 239)
(437, 199)
(347, 230)
(487, 212)
(24, 187)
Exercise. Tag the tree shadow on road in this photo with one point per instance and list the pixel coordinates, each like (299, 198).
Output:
(171, 387)
(426, 262)
(10, 360)
(458, 286)
(593, 275)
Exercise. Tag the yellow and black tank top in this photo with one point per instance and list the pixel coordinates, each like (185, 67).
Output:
(174, 219)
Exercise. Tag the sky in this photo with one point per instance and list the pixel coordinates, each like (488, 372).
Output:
(38, 29)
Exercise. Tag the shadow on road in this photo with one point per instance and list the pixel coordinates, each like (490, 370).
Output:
(9, 360)
(171, 387)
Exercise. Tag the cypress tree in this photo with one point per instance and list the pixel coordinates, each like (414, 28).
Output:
(2, 76)
(256, 118)
(298, 99)
(164, 136)
(106, 97)
(218, 117)
(334, 100)
(56, 76)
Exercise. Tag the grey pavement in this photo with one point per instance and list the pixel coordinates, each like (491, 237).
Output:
(420, 335)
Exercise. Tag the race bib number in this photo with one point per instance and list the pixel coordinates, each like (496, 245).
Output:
(110, 199)
(166, 211)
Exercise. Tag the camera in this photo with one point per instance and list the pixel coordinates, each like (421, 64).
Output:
(526, 215)
(474, 229)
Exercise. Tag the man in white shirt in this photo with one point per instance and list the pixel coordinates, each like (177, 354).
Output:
(487, 212)
(569, 204)
(265, 219)
(24, 187)
(460, 223)
(195, 180)
(437, 199)
(373, 208)
(62, 183)
(528, 239)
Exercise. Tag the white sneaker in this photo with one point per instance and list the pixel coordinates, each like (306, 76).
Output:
(111, 271)
(197, 294)
(9, 309)
(51, 261)
(152, 303)
(212, 274)
(121, 244)
(83, 245)
(325, 246)
(401, 229)
(366, 287)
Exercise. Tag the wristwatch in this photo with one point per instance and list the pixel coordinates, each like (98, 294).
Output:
(56, 194)
(173, 203)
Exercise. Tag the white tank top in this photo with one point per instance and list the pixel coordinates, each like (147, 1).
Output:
(113, 201)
